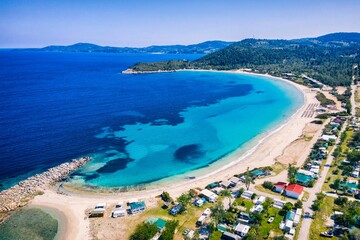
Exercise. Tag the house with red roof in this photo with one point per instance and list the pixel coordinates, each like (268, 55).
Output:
(294, 191)
(279, 186)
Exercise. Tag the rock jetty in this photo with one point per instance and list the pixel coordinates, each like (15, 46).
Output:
(20, 194)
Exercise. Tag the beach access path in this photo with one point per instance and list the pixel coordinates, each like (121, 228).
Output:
(76, 204)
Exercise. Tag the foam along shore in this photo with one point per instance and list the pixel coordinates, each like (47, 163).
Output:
(20, 194)
(269, 147)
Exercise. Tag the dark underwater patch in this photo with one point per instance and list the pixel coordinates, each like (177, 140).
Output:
(114, 165)
(92, 176)
(189, 152)
(259, 92)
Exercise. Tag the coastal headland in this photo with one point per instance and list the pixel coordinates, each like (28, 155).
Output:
(75, 203)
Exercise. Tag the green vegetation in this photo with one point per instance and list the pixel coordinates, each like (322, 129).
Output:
(317, 225)
(165, 196)
(268, 185)
(184, 200)
(161, 66)
(144, 231)
(318, 203)
(168, 233)
(323, 100)
(292, 173)
(320, 58)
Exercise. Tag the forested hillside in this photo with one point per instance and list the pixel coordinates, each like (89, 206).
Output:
(328, 58)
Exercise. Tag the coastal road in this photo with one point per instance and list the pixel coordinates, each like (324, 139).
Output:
(306, 223)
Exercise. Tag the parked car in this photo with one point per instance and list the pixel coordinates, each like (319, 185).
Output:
(271, 219)
(328, 234)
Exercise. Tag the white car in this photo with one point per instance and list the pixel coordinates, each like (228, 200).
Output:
(271, 219)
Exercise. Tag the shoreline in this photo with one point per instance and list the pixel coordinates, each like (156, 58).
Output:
(215, 167)
(63, 222)
(76, 204)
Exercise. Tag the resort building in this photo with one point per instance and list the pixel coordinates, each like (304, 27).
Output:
(137, 207)
(209, 195)
(294, 191)
(280, 187)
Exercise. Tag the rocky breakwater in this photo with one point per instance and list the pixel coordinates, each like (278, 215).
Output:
(20, 194)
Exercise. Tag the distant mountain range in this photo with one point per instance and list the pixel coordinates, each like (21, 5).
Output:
(200, 48)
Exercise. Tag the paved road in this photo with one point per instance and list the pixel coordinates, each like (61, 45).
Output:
(306, 223)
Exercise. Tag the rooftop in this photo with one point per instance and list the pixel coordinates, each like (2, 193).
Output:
(295, 188)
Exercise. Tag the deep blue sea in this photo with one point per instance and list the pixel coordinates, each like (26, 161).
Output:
(138, 128)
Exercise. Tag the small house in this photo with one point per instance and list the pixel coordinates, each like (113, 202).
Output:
(244, 217)
(328, 137)
(242, 230)
(259, 200)
(209, 195)
(294, 191)
(137, 207)
(257, 209)
(229, 236)
(217, 190)
(159, 222)
(234, 180)
(279, 187)
(288, 225)
(278, 203)
(227, 184)
(247, 194)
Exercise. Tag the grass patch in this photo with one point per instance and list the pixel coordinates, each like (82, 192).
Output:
(246, 203)
(318, 223)
(215, 235)
(278, 167)
(305, 196)
(266, 228)
(266, 190)
(308, 138)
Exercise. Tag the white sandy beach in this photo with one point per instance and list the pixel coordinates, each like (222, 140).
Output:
(268, 148)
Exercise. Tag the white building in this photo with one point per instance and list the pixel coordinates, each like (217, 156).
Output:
(247, 194)
(242, 229)
(209, 195)
(259, 200)
(278, 203)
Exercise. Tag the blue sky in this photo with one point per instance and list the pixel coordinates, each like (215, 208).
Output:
(36, 23)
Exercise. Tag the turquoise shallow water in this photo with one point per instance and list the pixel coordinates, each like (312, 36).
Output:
(207, 132)
(138, 128)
